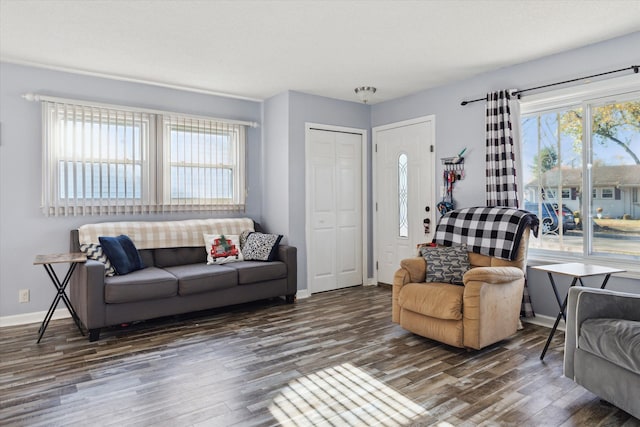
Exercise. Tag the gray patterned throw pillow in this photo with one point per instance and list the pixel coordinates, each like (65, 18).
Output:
(94, 252)
(261, 247)
(446, 264)
(243, 237)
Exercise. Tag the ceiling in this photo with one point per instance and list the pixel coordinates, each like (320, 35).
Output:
(256, 49)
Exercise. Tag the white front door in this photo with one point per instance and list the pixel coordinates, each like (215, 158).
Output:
(405, 194)
(334, 209)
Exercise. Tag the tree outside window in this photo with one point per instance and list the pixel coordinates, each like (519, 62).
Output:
(556, 159)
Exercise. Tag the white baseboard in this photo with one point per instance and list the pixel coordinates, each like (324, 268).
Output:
(35, 317)
(370, 282)
(546, 321)
(303, 293)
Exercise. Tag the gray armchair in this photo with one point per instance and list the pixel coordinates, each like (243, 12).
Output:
(602, 345)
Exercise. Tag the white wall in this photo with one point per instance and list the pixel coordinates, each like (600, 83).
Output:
(24, 231)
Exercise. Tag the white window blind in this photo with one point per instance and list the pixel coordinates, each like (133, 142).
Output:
(108, 160)
(203, 162)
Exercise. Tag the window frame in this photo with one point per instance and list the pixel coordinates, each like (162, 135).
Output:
(606, 190)
(238, 168)
(586, 96)
(67, 131)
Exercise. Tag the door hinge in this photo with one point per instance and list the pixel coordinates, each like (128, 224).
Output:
(376, 206)
(431, 148)
(376, 148)
(376, 265)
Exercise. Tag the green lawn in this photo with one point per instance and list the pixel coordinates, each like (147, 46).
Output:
(623, 225)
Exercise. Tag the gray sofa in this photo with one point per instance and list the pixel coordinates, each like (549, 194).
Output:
(176, 280)
(602, 345)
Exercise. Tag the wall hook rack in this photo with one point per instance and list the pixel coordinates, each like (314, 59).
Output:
(454, 164)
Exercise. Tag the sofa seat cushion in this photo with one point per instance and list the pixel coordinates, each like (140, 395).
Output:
(616, 340)
(198, 278)
(140, 285)
(434, 299)
(258, 271)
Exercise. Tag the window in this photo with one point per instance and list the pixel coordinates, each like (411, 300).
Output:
(112, 160)
(581, 152)
(205, 161)
(403, 196)
(607, 193)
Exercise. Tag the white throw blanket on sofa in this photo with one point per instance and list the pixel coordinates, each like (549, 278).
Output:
(164, 234)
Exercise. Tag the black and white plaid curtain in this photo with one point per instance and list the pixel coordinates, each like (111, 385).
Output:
(502, 189)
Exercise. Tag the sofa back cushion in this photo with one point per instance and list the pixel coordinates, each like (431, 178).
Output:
(147, 257)
(170, 257)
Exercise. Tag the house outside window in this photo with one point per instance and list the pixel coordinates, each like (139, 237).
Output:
(581, 154)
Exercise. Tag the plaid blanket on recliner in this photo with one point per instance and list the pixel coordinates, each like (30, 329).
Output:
(492, 231)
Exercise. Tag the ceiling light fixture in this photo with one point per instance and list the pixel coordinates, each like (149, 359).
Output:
(365, 93)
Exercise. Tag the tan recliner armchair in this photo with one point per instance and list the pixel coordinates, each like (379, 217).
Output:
(483, 311)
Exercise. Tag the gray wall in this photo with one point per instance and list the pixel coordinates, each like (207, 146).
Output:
(275, 191)
(300, 109)
(24, 231)
(276, 157)
(458, 127)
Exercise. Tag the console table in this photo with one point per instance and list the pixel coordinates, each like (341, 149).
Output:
(576, 270)
(47, 260)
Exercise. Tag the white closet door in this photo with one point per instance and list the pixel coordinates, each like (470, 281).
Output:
(335, 210)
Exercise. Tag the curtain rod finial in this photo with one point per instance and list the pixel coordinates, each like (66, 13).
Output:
(31, 97)
(464, 102)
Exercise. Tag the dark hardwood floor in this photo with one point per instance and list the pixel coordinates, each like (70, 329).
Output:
(335, 359)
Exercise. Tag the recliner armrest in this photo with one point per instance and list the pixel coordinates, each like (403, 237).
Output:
(416, 267)
(412, 270)
(494, 275)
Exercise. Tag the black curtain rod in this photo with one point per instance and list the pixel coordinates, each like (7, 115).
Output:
(635, 69)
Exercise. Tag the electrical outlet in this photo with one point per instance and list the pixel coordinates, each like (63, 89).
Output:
(23, 295)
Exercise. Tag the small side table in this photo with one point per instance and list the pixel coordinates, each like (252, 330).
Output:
(47, 260)
(576, 270)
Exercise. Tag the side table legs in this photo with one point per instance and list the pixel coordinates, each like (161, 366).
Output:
(563, 305)
(61, 295)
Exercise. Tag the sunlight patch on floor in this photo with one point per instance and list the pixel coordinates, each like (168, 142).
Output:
(342, 395)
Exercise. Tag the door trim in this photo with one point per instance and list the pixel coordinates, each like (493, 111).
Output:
(374, 168)
(365, 194)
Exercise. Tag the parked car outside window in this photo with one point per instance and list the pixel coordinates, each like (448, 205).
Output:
(549, 221)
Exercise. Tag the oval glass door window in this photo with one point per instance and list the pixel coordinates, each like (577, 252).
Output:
(403, 221)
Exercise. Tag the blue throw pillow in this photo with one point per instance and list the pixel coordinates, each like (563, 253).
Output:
(122, 253)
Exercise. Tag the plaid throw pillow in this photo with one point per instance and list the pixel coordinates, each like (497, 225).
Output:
(446, 264)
